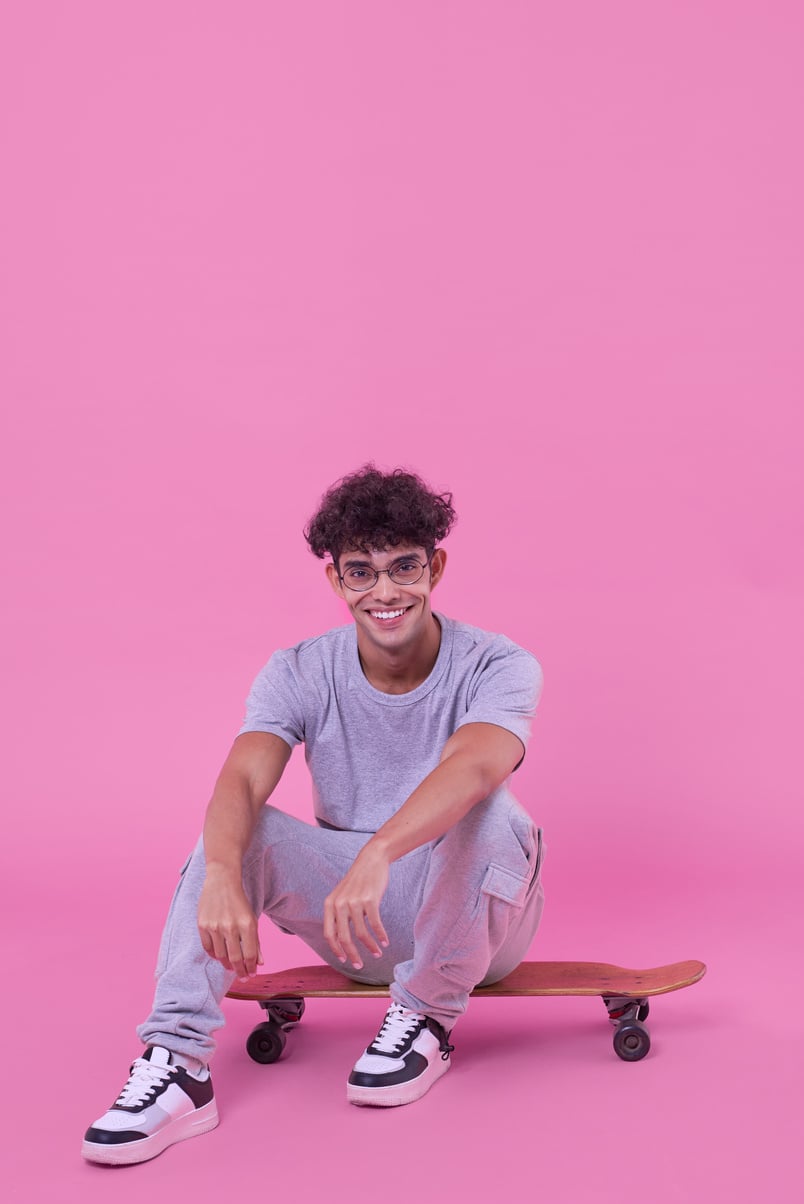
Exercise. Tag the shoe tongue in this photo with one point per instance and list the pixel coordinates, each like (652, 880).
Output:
(157, 1056)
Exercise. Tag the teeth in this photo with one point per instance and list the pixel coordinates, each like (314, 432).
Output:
(387, 614)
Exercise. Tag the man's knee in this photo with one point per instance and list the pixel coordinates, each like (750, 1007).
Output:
(495, 830)
(273, 826)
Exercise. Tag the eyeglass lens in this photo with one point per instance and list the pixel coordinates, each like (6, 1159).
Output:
(406, 572)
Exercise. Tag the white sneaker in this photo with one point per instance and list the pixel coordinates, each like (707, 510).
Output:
(410, 1052)
(160, 1104)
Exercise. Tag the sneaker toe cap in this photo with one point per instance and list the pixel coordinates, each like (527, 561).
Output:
(390, 1072)
(112, 1136)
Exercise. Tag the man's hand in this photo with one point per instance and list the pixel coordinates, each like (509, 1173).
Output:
(227, 924)
(354, 906)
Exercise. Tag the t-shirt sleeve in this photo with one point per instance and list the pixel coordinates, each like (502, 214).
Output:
(274, 703)
(505, 691)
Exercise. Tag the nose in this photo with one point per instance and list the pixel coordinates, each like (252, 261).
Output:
(384, 587)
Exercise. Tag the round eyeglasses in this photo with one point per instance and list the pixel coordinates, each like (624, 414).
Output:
(406, 571)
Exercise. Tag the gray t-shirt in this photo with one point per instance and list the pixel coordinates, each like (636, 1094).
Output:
(367, 751)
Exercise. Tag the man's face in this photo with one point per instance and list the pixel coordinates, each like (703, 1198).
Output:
(390, 615)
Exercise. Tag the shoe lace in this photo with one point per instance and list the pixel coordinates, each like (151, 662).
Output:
(442, 1036)
(395, 1029)
(144, 1077)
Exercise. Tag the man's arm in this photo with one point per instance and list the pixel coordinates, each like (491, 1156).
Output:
(226, 921)
(475, 761)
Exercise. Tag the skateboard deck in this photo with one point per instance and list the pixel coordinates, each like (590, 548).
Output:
(624, 992)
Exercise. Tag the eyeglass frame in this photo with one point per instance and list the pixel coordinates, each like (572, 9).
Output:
(377, 572)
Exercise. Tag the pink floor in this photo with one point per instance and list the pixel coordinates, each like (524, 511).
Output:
(536, 1103)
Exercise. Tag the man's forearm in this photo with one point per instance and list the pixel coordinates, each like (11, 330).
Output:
(247, 779)
(229, 824)
(475, 761)
(227, 923)
(444, 797)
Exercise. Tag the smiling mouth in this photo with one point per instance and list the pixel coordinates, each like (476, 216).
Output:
(387, 615)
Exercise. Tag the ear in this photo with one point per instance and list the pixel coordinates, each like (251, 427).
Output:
(334, 580)
(437, 566)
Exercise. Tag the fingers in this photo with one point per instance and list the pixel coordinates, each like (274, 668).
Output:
(335, 928)
(346, 922)
(352, 910)
(235, 945)
(378, 933)
(364, 931)
(215, 944)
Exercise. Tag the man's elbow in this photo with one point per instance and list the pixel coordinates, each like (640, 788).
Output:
(493, 774)
(489, 755)
(483, 774)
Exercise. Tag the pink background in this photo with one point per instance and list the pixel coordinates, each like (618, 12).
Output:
(550, 256)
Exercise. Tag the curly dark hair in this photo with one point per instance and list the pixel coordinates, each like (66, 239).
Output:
(373, 509)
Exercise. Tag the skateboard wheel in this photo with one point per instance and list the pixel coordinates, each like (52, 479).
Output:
(644, 1010)
(631, 1041)
(266, 1042)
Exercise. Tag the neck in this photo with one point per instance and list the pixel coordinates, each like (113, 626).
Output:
(399, 672)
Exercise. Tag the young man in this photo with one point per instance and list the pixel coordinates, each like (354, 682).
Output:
(422, 870)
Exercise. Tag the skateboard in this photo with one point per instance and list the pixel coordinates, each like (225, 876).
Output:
(625, 994)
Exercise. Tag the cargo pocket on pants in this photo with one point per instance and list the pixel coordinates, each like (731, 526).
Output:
(501, 884)
(500, 899)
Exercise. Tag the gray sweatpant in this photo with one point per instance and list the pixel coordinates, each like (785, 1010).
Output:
(458, 912)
